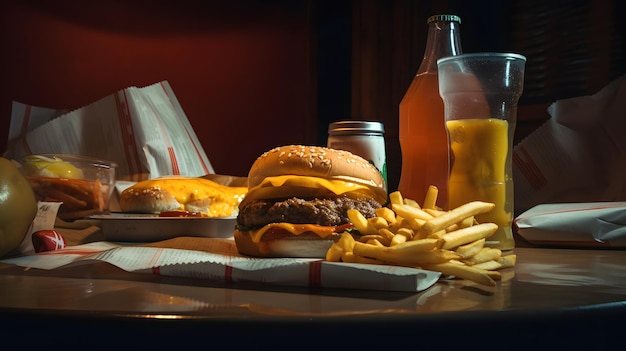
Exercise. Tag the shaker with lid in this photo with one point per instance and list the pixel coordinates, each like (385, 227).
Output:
(363, 138)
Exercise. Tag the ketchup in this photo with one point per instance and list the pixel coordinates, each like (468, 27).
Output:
(180, 214)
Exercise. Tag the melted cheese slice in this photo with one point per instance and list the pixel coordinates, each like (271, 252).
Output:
(294, 229)
(303, 186)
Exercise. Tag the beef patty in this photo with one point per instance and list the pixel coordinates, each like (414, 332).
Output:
(327, 212)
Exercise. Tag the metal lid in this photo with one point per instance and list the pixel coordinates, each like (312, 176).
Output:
(356, 126)
(447, 18)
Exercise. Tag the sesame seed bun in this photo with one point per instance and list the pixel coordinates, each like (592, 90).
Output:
(148, 200)
(320, 162)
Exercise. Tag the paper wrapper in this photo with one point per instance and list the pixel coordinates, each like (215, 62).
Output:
(222, 262)
(578, 155)
(144, 130)
(596, 224)
(44, 220)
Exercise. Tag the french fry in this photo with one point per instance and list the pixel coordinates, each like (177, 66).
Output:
(476, 275)
(387, 214)
(507, 260)
(424, 258)
(412, 203)
(346, 241)
(488, 265)
(470, 249)
(374, 242)
(415, 223)
(495, 275)
(352, 258)
(397, 239)
(384, 240)
(435, 212)
(406, 232)
(457, 262)
(402, 235)
(428, 257)
(467, 222)
(455, 215)
(408, 211)
(484, 255)
(407, 254)
(377, 223)
(467, 235)
(430, 200)
(360, 222)
(388, 234)
(396, 198)
(416, 246)
(334, 253)
(400, 223)
(436, 235)
(337, 249)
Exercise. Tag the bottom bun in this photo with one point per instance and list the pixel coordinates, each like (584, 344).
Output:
(302, 246)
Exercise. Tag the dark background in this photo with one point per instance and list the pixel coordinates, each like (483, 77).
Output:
(254, 74)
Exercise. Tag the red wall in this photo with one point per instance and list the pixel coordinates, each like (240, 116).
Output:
(240, 69)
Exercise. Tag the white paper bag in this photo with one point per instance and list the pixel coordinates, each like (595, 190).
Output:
(593, 224)
(578, 155)
(144, 130)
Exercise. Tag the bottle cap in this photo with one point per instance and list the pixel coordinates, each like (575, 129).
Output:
(447, 18)
(356, 126)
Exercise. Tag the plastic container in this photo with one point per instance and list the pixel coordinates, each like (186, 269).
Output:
(480, 93)
(84, 185)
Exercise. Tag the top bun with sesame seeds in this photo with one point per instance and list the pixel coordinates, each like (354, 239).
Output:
(321, 162)
(298, 197)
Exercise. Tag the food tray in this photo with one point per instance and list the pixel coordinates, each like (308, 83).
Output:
(144, 228)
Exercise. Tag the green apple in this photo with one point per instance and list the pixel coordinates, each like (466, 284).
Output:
(18, 206)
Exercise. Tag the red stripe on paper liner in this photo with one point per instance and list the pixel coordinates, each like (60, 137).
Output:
(128, 135)
(173, 160)
(228, 273)
(167, 90)
(174, 169)
(315, 274)
(200, 158)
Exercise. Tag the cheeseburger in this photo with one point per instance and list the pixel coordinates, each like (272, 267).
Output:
(298, 197)
(178, 194)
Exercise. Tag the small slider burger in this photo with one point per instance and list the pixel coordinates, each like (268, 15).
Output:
(180, 196)
(298, 198)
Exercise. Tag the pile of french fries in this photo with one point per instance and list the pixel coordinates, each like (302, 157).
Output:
(80, 197)
(407, 234)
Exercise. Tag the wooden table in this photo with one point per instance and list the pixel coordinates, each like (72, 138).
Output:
(571, 297)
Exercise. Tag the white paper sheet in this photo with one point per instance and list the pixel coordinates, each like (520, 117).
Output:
(224, 263)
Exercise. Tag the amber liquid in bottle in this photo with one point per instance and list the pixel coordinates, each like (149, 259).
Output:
(424, 141)
(422, 133)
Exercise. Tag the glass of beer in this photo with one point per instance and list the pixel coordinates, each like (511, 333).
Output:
(480, 92)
